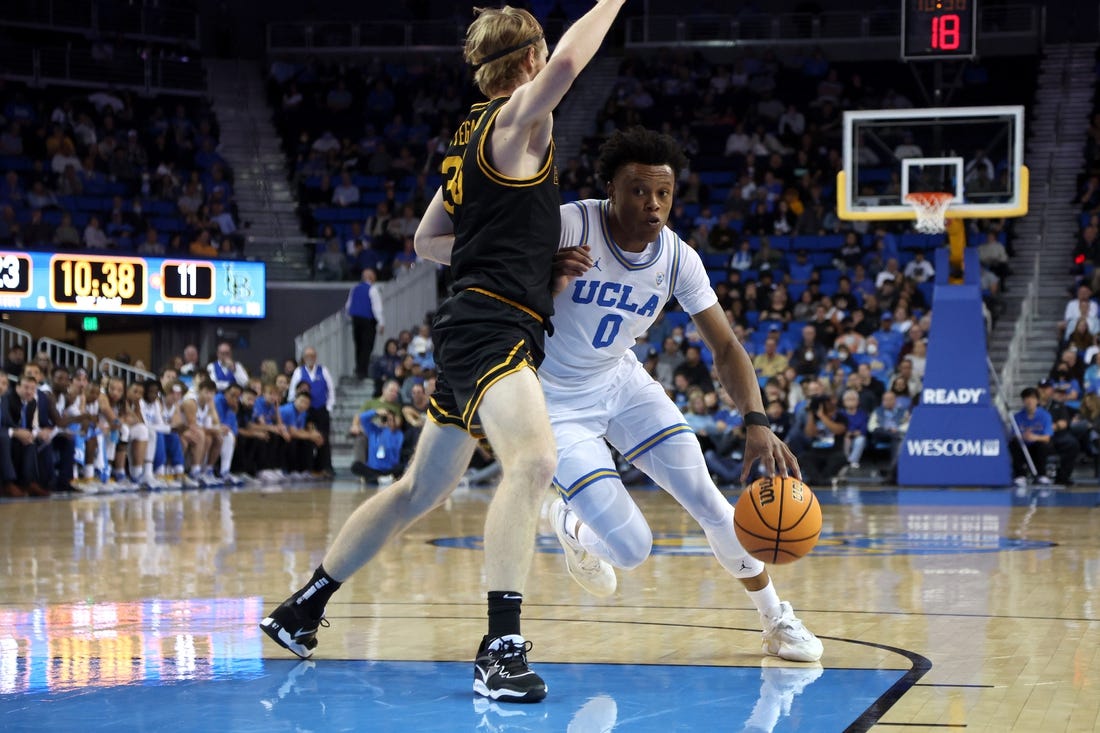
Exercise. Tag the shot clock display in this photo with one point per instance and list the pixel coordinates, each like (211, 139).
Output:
(938, 29)
(103, 284)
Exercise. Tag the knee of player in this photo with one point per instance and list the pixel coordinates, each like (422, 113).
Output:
(417, 493)
(535, 466)
(632, 548)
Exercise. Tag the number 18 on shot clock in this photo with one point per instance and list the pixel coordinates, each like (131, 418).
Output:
(938, 29)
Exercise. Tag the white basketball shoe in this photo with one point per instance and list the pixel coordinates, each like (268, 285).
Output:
(593, 574)
(787, 638)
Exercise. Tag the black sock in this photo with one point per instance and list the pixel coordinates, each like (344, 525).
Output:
(504, 612)
(314, 596)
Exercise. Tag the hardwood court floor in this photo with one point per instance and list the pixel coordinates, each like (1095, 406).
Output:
(939, 610)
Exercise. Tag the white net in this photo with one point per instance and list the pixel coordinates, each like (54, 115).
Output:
(931, 211)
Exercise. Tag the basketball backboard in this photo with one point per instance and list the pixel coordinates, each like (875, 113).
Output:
(973, 153)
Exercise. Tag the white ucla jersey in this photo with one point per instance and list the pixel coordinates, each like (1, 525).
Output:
(202, 412)
(153, 415)
(598, 317)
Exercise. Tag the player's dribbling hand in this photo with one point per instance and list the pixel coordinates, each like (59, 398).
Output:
(774, 455)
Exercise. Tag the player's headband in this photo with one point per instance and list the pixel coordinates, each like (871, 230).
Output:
(504, 52)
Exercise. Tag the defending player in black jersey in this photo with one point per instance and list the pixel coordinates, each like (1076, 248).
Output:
(496, 222)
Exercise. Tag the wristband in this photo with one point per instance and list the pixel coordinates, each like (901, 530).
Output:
(757, 418)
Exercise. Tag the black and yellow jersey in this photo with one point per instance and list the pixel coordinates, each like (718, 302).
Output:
(506, 229)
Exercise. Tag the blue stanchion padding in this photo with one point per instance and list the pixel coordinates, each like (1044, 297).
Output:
(956, 436)
(955, 446)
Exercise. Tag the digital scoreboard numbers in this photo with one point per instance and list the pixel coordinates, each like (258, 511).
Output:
(187, 281)
(938, 29)
(15, 274)
(95, 283)
(105, 284)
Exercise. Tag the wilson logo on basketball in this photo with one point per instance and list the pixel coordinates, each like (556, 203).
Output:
(777, 519)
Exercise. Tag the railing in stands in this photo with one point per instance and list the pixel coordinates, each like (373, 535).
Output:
(10, 336)
(281, 254)
(1029, 308)
(137, 21)
(825, 28)
(77, 67)
(341, 37)
(833, 28)
(406, 300)
(125, 372)
(69, 356)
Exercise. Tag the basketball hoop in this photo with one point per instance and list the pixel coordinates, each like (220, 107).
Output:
(931, 208)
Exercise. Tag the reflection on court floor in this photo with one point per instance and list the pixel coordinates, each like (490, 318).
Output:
(937, 608)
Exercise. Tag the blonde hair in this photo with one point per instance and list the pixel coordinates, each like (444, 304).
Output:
(496, 44)
(268, 369)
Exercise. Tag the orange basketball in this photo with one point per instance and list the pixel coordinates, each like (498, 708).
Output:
(777, 519)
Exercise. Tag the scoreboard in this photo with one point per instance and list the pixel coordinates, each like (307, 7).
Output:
(154, 286)
(938, 29)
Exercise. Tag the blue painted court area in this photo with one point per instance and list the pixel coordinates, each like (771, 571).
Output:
(284, 695)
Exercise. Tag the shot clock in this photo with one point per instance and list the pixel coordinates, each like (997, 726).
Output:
(104, 284)
(938, 29)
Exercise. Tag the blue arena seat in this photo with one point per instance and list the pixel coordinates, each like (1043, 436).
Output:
(677, 318)
(716, 178)
(715, 260)
(914, 241)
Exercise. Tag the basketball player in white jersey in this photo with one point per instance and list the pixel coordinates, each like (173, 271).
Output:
(620, 265)
(198, 411)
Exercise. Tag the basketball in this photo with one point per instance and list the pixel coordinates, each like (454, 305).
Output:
(777, 519)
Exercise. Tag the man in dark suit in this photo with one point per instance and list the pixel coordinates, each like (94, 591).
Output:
(60, 454)
(8, 486)
(28, 440)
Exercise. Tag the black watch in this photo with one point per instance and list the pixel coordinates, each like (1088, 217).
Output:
(757, 418)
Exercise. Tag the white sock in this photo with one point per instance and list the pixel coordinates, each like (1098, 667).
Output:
(766, 600)
(147, 469)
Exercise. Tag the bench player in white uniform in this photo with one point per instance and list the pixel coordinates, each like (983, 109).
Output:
(620, 266)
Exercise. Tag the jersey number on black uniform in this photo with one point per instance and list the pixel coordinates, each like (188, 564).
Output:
(452, 187)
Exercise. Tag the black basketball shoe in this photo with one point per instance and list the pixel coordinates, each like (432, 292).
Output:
(501, 671)
(292, 628)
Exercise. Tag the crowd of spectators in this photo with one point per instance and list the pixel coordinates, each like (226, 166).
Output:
(190, 426)
(1060, 422)
(108, 171)
(758, 202)
(835, 314)
(364, 144)
(196, 425)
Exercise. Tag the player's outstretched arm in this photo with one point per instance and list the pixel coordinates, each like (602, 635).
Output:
(737, 375)
(435, 235)
(532, 103)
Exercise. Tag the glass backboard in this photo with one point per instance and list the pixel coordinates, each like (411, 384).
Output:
(973, 153)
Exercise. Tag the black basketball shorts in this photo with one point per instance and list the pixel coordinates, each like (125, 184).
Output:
(479, 338)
